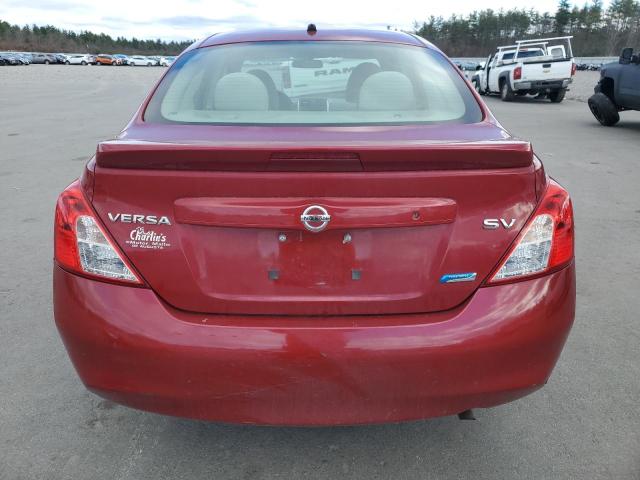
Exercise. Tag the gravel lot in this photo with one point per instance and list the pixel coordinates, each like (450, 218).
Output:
(582, 87)
(584, 424)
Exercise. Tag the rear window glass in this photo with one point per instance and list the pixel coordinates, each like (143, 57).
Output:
(523, 54)
(312, 83)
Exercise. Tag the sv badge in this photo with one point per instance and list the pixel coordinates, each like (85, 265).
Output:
(495, 223)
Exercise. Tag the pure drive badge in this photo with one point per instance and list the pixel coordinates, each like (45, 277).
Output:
(458, 277)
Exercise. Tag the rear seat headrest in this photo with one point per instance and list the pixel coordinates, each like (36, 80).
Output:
(241, 92)
(357, 78)
(387, 91)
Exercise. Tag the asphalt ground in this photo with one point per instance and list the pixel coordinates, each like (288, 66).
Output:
(584, 424)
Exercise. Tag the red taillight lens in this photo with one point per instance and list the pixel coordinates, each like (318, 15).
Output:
(545, 244)
(83, 246)
(573, 69)
(68, 207)
(559, 205)
(517, 73)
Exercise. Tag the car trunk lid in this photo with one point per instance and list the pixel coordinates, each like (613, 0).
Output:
(221, 228)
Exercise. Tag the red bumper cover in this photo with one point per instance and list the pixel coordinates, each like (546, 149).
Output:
(129, 346)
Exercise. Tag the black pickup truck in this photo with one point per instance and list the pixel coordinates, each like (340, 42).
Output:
(618, 89)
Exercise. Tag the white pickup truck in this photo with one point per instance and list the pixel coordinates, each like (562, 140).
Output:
(542, 67)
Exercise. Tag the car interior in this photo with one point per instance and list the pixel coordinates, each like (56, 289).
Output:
(389, 81)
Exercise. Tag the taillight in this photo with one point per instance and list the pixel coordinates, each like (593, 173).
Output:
(81, 243)
(545, 244)
(517, 73)
(573, 69)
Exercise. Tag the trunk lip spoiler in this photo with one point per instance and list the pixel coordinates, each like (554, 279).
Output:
(373, 156)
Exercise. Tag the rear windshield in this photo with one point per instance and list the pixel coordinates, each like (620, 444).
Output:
(312, 83)
(523, 54)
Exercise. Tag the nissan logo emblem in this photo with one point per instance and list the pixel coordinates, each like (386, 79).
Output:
(315, 218)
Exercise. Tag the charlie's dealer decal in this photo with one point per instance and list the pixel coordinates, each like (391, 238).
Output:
(150, 239)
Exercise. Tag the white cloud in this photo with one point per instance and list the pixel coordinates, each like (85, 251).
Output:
(190, 19)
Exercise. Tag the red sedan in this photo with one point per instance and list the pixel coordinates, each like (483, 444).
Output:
(314, 228)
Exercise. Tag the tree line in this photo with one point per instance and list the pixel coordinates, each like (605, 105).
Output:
(32, 38)
(597, 31)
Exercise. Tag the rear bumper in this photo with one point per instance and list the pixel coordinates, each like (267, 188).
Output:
(130, 347)
(542, 85)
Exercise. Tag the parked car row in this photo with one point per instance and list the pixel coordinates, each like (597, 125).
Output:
(593, 67)
(26, 58)
(140, 60)
(466, 66)
(14, 58)
(132, 60)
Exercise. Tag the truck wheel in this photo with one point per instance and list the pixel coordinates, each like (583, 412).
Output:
(603, 109)
(506, 94)
(557, 96)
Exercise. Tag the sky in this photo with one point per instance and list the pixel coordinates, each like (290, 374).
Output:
(193, 19)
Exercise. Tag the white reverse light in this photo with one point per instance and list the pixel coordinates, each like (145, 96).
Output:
(97, 256)
(531, 255)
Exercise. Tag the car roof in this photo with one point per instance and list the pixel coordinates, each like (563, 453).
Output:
(266, 35)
